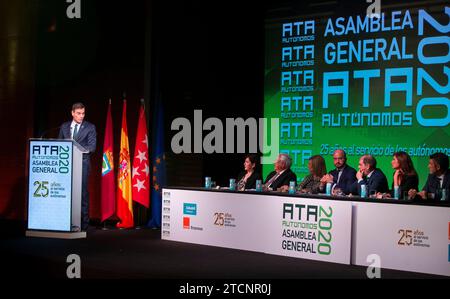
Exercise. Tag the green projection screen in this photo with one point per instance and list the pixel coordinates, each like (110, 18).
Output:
(368, 85)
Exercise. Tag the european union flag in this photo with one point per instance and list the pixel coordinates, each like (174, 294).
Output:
(159, 166)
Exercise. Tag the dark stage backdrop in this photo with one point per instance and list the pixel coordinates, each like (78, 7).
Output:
(191, 54)
(17, 79)
(100, 56)
(48, 62)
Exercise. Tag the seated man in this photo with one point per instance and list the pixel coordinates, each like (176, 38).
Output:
(371, 176)
(438, 179)
(282, 174)
(342, 177)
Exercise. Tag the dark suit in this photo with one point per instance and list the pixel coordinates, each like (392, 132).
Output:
(348, 177)
(433, 184)
(377, 182)
(87, 138)
(251, 181)
(282, 180)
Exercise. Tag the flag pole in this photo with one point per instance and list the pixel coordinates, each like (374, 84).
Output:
(104, 226)
(138, 226)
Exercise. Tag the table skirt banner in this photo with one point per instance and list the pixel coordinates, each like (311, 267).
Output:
(402, 237)
(290, 226)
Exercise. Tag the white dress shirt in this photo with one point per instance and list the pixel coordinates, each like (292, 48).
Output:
(72, 128)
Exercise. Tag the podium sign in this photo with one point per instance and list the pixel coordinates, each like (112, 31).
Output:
(50, 185)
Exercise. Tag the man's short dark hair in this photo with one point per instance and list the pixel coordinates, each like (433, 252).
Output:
(370, 160)
(441, 159)
(77, 106)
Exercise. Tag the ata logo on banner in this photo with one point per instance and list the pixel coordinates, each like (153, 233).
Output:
(48, 159)
(312, 224)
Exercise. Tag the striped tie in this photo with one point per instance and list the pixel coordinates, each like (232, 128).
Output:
(272, 180)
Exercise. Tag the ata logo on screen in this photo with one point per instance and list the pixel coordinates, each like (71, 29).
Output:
(415, 83)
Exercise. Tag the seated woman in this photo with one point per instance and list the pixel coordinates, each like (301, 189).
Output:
(405, 176)
(317, 169)
(247, 178)
(438, 179)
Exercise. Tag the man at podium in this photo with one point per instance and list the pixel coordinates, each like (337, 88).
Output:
(83, 133)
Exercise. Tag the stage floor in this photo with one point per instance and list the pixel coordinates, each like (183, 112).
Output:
(141, 254)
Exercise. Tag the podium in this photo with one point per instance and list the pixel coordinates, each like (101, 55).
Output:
(55, 189)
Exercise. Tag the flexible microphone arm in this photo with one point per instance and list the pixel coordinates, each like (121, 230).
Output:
(47, 131)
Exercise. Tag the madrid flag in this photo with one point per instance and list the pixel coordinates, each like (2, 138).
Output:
(108, 178)
(124, 201)
(141, 170)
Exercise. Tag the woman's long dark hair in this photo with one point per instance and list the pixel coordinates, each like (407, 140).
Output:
(318, 166)
(406, 164)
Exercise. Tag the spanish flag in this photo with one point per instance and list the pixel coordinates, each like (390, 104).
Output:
(124, 191)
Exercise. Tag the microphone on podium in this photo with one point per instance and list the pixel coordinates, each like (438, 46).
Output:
(48, 131)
